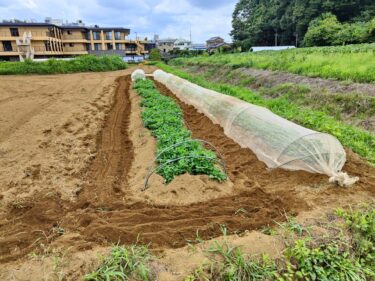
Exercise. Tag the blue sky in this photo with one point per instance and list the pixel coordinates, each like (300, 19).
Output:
(168, 18)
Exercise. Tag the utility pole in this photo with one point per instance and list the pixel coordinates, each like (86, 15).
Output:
(276, 35)
(296, 35)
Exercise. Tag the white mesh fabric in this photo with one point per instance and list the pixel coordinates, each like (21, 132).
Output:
(275, 140)
(138, 74)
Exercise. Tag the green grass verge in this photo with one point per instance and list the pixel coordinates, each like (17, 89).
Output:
(360, 141)
(165, 120)
(352, 62)
(84, 63)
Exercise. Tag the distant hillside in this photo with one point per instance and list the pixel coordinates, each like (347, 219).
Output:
(330, 22)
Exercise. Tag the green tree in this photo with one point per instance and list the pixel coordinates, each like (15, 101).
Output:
(256, 22)
(327, 30)
(155, 55)
(322, 31)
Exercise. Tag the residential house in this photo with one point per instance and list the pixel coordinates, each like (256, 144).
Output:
(166, 45)
(216, 42)
(182, 44)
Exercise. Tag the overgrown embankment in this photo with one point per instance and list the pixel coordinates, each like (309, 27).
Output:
(351, 103)
(87, 63)
(359, 140)
(351, 62)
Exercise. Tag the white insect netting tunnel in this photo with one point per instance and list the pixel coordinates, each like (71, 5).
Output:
(138, 74)
(276, 141)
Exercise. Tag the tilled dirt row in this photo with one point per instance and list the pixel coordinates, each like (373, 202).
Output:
(37, 224)
(104, 213)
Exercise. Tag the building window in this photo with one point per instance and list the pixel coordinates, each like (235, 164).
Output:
(14, 32)
(109, 46)
(96, 35)
(108, 35)
(98, 47)
(118, 35)
(88, 47)
(71, 45)
(69, 32)
(7, 46)
(119, 46)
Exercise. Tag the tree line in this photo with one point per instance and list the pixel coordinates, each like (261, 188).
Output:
(303, 22)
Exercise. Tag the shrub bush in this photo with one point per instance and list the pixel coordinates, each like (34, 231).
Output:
(52, 66)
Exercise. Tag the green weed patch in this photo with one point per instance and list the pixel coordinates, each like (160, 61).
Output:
(123, 263)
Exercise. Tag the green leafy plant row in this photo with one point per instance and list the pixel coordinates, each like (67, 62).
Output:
(165, 120)
(360, 141)
(84, 63)
(352, 62)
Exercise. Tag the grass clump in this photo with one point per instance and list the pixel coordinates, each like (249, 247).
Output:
(361, 224)
(123, 263)
(292, 226)
(83, 63)
(360, 141)
(230, 264)
(165, 120)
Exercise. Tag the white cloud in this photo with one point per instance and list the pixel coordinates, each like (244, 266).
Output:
(168, 18)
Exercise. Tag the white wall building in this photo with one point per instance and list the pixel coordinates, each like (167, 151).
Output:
(182, 44)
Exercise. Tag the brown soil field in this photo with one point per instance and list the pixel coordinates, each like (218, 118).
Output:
(74, 154)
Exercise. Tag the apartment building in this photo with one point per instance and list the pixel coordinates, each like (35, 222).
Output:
(60, 41)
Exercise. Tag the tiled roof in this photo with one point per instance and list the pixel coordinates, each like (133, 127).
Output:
(215, 38)
(15, 24)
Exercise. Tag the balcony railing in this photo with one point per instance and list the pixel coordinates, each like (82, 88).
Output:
(33, 33)
(75, 37)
